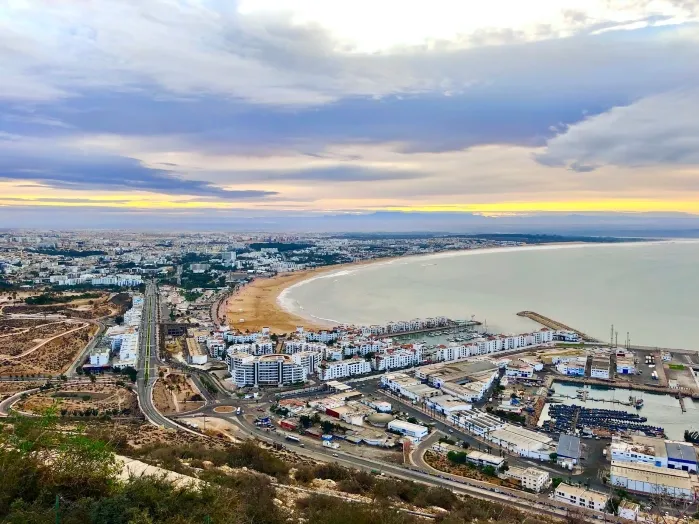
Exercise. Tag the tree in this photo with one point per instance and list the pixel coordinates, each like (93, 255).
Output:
(412, 420)
(93, 378)
(555, 481)
(553, 457)
(305, 421)
(327, 426)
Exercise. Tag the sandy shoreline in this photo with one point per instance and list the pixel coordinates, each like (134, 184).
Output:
(258, 303)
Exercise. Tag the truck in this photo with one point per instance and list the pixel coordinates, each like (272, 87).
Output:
(329, 444)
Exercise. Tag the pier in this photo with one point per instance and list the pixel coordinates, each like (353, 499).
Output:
(618, 384)
(554, 324)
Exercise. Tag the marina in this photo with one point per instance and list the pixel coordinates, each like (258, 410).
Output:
(574, 418)
(660, 410)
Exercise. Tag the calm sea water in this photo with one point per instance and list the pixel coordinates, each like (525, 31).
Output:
(650, 290)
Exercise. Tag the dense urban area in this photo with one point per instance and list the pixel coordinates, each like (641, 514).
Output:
(134, 350)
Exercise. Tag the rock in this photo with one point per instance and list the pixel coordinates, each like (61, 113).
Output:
(207, 464)
(277, 502)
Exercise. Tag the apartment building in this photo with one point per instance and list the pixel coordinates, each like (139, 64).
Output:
(396, 359)
(344, 368)
(532, 479)
(309, 360)
(266, 370)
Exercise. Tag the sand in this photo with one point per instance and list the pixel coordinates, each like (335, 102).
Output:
(255, 306)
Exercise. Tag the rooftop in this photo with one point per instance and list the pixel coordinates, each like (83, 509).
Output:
(681, 452)
(569, 447)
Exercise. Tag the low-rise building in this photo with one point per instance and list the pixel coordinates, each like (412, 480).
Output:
(629, 510)
(532, 479)
(519, 370)
(414, 431)
(573, 367)
(653, 480)
(640, 450)
(681, 455)
(581, 497)
(568, 449)
(600, 367)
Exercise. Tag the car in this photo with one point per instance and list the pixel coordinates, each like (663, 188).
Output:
(335, 454)
(451, 431)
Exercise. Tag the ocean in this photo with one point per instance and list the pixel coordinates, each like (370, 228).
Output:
(649, 290)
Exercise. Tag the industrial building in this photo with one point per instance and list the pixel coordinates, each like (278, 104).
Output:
(414, 431)
(653, 480)
(568, 449)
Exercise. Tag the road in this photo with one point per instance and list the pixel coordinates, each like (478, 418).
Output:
(521, 500)
(149, 361)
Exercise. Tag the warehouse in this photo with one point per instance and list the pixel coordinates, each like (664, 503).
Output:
(654, 480)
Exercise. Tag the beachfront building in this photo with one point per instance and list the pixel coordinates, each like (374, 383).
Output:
(397, 358)
(344, 368)
(267, 370)
(309, 360)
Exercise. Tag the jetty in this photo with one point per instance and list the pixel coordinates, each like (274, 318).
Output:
(554, 324)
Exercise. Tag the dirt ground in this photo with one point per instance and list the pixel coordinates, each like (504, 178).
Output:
(175, 393)
(75, 399)
(20, 339)
(54, 357)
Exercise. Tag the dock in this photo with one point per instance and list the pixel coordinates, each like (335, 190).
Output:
(554, 324)
(652, 388)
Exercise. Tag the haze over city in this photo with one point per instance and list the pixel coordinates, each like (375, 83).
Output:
(191, 113)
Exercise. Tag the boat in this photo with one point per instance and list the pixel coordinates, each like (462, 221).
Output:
(639, 403)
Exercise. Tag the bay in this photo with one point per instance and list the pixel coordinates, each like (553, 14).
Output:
(648, 289)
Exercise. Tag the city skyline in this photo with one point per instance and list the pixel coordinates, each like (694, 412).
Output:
(220, 110)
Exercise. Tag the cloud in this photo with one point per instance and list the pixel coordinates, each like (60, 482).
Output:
(654, 131)
(65, 169)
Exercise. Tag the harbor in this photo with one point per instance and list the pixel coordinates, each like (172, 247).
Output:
(658, 410)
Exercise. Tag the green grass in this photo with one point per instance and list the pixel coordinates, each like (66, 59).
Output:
(677, 367)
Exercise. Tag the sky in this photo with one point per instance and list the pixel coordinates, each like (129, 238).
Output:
(182, 109)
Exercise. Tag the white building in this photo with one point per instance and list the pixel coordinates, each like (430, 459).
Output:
(447, 404)
(344, 368)
(533, 479)
(581, 497)
(654, 480)
(414, 431)
(127, 346)
(266, 370)
(639, 450)
(396, 359)
(100, 358)
(309, 360)
(574, 366)
(629, 510)
(600, 367)
(519, 370)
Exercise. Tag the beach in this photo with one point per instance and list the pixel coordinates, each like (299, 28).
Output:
(257, 305)
(260, 303)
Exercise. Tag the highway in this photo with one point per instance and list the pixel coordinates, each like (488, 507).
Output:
(148, 361)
